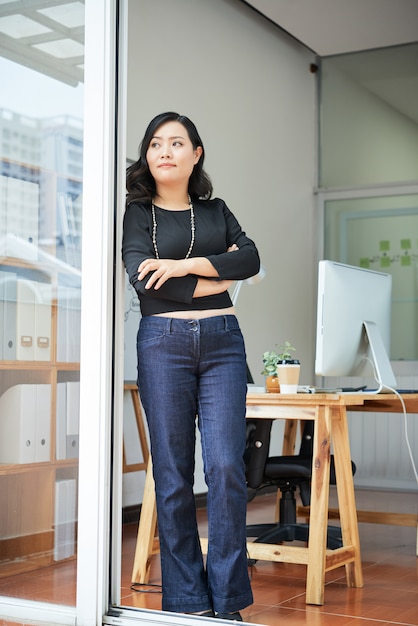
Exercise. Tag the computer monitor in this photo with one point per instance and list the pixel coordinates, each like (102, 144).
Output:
(353, 323)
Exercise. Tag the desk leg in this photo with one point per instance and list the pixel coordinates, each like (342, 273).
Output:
(146, 530)
(346, 498)
(315, 581)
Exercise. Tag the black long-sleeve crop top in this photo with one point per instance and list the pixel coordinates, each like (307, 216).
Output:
(216, 229)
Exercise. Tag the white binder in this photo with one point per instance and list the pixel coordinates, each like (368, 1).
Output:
(62, 324)
(3, 210)
(33, 320)
(25, 424)
(61, 422)
(73, 324)
(18, 424)
(22, 217)
(65, 518)
(2, 281)
(43, 423)
(68, 324)
(9, 317)
(42, 348)
(73, 417)
(25, 320)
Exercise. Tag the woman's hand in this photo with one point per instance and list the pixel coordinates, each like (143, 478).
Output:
(172, 268)
(207, 287)
(163, 270)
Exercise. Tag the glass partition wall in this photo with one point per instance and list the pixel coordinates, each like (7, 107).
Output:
(368, 217)
(368, 186)
(41, 165)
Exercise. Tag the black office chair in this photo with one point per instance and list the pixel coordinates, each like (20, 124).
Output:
(288, 473)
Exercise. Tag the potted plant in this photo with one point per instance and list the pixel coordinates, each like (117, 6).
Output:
(270, 360)
(288, 368)
(284, 351)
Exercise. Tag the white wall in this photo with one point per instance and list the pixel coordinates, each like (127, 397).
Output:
(249, 89)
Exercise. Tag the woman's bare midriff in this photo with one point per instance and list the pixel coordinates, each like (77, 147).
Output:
(197, 315)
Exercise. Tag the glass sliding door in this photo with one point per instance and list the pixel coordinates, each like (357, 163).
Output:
(41, 182)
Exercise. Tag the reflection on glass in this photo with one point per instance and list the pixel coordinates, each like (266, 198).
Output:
(378, 233)
(41, 160)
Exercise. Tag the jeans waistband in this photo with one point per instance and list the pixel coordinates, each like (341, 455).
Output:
(207, 324)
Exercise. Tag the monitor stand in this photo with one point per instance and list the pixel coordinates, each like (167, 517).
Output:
(384, 372)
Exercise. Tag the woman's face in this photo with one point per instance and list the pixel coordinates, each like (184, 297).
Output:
(171, 156)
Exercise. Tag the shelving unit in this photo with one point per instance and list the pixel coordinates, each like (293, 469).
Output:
(31, 518)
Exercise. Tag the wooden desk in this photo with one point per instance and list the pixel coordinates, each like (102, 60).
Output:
(329, 411)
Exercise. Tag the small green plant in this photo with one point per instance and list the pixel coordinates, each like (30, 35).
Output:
(284, 351)
(272, 358)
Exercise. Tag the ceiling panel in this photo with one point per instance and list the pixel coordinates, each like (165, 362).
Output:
(45, 35)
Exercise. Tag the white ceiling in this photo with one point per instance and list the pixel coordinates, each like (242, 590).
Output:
(331, 27)
(377, 30)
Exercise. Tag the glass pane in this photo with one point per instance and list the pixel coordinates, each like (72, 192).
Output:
(381, 233)
(369, 117)
(41, 158)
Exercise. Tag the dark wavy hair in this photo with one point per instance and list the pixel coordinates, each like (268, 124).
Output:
(140, 184)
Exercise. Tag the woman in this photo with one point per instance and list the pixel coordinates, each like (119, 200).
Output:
(182, 251)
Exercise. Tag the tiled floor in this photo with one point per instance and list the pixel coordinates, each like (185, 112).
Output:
(389, 595)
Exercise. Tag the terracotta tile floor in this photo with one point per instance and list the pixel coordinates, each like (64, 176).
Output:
(389, 595)
(390, 568)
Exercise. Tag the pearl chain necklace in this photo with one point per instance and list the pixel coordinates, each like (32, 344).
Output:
(154, 229)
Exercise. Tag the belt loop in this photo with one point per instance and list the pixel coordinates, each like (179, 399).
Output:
(169, 324)
(226, 322)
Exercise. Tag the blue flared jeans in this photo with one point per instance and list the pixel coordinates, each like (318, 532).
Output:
(192, 370)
